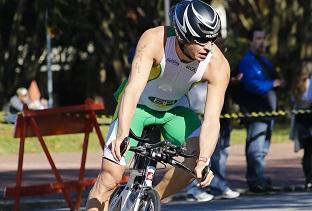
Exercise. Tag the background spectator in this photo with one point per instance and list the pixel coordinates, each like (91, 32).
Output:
(16, 104)
(37, 102)
(257, 94)
(219, 185)
(301, 127)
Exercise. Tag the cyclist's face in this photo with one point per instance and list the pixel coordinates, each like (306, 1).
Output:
(198, 51)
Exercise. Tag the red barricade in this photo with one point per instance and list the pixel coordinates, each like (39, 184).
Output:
(55, 121)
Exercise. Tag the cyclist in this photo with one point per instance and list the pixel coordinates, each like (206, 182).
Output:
(167, 62)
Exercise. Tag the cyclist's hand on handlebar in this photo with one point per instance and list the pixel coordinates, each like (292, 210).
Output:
(118, 147)
(203, 173)
(115, 145)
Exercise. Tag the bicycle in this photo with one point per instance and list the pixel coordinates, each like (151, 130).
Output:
(138, 194)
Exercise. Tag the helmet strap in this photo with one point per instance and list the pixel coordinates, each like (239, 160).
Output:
(183, 49)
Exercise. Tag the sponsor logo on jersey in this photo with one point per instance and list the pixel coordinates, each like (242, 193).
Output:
(172, 61)
(191, 68)
(165, 87)
(162, 102)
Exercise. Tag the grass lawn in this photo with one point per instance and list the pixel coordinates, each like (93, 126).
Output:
(72, 143)
(280, 134)
(60, 143)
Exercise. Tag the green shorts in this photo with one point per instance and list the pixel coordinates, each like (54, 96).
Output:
(176, 125)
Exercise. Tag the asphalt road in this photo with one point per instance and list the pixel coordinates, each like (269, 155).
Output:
(275, 201)
(283, 166)
(283, 201)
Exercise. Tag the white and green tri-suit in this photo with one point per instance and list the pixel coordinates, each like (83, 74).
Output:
(163, 101)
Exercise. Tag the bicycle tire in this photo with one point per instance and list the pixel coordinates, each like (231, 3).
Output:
(151, 201)
(114, 200)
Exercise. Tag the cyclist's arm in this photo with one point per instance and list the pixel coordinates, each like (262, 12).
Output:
(147, 53)
(217, 75)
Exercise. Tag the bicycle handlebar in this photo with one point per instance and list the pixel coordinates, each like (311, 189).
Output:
(137, 138)
(181, 150)
(173, 150)
(164, 151)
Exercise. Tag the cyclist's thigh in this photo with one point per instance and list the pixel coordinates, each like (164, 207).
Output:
(142, 117)
(181, 123)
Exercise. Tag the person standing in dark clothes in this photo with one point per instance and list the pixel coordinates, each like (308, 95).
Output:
(258, 94)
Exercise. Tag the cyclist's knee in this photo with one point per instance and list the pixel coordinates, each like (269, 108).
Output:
(111, 171)
(109, 177)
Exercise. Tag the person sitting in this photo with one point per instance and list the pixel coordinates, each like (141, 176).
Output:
(37, 101)
(16, 104)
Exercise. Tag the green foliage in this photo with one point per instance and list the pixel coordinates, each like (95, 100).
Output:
(91, 40)
(288, 26)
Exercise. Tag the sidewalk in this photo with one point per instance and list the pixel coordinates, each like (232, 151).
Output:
(37, 168)
(283, 166)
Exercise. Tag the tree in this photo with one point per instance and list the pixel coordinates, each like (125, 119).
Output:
(288, 25)
(91, 40)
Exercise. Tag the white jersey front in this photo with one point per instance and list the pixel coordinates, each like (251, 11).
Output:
(170, 81)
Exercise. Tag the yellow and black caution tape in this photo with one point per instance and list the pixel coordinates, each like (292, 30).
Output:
(265, 114)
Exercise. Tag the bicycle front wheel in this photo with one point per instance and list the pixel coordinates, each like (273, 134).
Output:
(115, 199)
(149, 202)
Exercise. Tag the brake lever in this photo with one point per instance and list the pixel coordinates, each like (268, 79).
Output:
(178, 164)
(139, 150)
(187, 155)
(171, 153)
(183, 152)
(205, 172)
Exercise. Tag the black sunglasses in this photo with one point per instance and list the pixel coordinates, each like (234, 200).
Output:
(204, 40)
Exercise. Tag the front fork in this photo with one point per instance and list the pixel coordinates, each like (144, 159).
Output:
(147, 183)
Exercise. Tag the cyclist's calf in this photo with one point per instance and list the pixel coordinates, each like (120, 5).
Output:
(106, 182)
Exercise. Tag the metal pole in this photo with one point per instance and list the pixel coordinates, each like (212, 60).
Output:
(167, 8)
(49, 70)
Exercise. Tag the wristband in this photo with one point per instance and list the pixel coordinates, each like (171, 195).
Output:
(206, 160)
